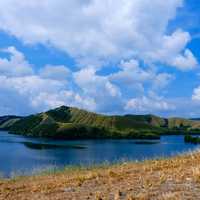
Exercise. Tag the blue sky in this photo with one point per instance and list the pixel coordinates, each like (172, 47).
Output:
(112, 57)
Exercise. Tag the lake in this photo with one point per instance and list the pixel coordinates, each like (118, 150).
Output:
(22, 155)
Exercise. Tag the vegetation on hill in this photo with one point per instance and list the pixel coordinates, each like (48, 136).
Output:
(192, 139)
(7, 121)
(72, 123)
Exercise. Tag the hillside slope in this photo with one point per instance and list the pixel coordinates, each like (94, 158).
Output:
(72, 123)
(165, 179)
(8, 121)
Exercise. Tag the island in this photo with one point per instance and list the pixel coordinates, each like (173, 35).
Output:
(72, 123)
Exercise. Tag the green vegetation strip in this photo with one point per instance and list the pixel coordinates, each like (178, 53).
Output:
(192, 139)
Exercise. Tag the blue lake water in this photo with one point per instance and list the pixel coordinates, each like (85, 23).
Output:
(22, 155)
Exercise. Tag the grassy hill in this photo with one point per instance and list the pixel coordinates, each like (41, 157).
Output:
(7, 121)
(72, 123)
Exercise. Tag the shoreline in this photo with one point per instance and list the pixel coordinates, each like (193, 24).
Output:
(164, 178)
(54, 170)
(152, 136)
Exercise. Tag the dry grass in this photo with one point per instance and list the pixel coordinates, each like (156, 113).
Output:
(167, 179)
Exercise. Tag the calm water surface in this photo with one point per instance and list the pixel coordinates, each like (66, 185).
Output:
(21, 155)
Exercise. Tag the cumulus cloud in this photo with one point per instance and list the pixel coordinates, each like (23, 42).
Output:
(54, 86)
(146, 104)
(134, 77)
(106, 94)
(131, 72)
(92, 84)
(131, 35)
(101, 31)
(196, 94)
(15, 65)
(170, 51)
(23, 90)
(186, 61)
(62, 97)
(55, 72)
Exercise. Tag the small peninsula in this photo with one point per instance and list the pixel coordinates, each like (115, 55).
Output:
(72, 123)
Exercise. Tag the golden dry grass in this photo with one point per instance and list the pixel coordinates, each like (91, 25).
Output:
(167, 179)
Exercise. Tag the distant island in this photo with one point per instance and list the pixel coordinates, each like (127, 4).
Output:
(73, 123)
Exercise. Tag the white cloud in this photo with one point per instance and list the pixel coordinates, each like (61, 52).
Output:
(131, 72)
(22, 90)
(161, 80)
(115, 90)
(95, 85)
(62, 97)
(39, 94)
(106, 95)
(99, 31)
(130, 34)
(55, 72)
(146, 104)
(196, 94)
(29, 91)
(186, 61)
(54, 86)
(15, 65)
(134, 77)
(170, 51)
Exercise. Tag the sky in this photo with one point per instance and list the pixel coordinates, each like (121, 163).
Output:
(106, 56)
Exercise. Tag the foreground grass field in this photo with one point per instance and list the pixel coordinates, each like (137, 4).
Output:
(167, 179)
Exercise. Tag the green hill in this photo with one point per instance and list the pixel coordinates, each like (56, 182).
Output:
(7, 121)
(72, 123)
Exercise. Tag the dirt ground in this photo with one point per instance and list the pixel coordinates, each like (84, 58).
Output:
(174, 178)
